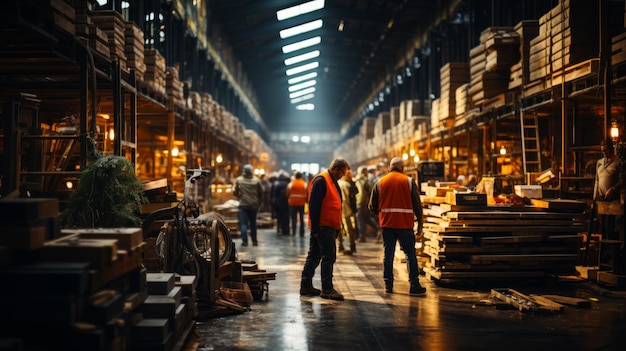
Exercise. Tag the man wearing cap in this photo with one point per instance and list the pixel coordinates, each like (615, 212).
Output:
(248, 190)
(395, 198)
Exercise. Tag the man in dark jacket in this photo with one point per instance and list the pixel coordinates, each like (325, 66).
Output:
(281, 202)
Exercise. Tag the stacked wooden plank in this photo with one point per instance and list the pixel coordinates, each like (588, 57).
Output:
(95, 38)
(114, 25)
(63, 15)
(491, 62)
(58, 280)
(155, 70)
(165, 317)
(25, 224)
(618, 49)
(195, 102)
(207, 108)
(520, 72)
(452, 76)
(471, 241)
(574, 30)
(367, 128)
(134, 49)
(174, 87)
(568, 35)
(463, 100)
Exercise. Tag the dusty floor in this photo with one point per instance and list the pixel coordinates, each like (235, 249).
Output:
(449, 317)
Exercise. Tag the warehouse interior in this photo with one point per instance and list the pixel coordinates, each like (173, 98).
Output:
(124, 124)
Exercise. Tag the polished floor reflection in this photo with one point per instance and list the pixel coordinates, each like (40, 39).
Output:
(449, 317)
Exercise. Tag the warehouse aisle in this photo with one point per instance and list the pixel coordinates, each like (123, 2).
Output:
(449, 317)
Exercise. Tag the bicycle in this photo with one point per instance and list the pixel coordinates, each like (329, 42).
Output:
(190, 242)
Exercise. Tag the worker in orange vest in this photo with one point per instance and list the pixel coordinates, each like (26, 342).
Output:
(296, 193)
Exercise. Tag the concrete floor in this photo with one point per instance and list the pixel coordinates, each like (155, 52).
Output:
(447, 318)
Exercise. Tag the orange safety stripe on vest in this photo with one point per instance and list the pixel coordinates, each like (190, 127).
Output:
(296, 191)
(330, 215)
(394, 201)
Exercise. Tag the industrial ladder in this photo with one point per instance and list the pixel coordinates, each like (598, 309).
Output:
(531, 152)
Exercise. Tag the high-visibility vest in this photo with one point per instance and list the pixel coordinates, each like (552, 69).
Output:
(296, 192)
(330, 213)
(395, 205)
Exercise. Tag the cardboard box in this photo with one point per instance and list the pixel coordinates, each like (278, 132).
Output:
(529, 191)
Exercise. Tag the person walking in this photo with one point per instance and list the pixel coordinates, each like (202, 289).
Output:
(395, 198)
(281, 202)
(364, 216)
(324, 223)
(296, 193)
(348, 213)
(248, 190)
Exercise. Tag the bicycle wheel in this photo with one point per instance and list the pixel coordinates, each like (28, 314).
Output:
(208, 226)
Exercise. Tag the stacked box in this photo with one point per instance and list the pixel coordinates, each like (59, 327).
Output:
(113, 24)
(134, 49)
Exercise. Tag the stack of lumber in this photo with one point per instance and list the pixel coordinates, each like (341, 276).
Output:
(155, 70)
(520, 72)
(491, 62)
(165, 318)
(174, 87)
(474, 241)
(79, 288)
(114, 25)
(195, 103)
(568, 34)
(452, 76)
(618, 49)
(134, 48)
(207, 108)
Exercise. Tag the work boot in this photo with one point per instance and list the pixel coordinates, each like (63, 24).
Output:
(309, 291)
(331, 294)
(353, 248)
(417, 289)
(388, 287)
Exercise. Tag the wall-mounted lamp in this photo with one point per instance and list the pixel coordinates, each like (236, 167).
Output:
(405, 156)
(219, 158)
(614, 130)
(111, 134)
(175, 152)
(502, 150)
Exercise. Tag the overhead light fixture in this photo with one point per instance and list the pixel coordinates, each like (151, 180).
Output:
(301, 9)
(341, 25)
(303, 57)
(302, 92)
(308, 83)
(303, 68)
(301, 44)
(302, 78)
(299, 29)
(302, 98)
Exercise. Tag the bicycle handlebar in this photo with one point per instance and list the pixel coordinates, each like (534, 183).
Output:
(196, 173)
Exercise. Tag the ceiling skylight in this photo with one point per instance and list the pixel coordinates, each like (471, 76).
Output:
(301, 44)
(299, 29)
(303, 57)
(302, 98)
(299, 9)
(302, 78)
(303, 68)
(308, 83)
(301, 92)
